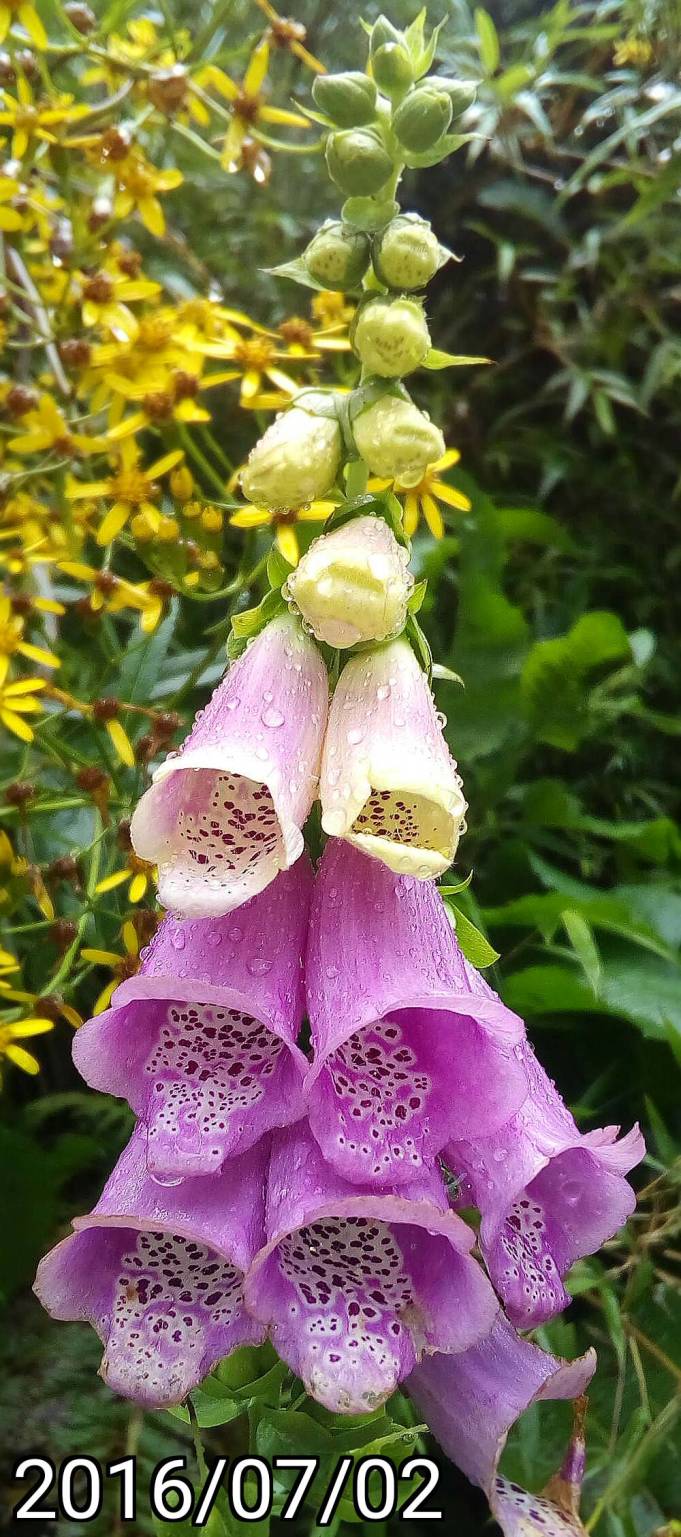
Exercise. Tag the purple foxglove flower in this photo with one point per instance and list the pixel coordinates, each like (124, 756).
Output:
(355, 1285)
(409, 1040)
(471, 1401)
(223, 815)
(159, 1274)
(389, 783)
(548, 1195)
(201, 1042)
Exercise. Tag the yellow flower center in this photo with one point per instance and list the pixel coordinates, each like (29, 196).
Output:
(254, 352)
(133, 486)
(297, 330)
(26, 117)
(155, 332)
(247, 107)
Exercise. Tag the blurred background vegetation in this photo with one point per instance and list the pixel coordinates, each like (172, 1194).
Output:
(555, 599)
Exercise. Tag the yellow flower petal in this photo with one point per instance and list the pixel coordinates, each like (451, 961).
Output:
(23, 1059)
(453, 498)
(257, 69)
(250, 517)
(121, 742)
(100, 957)
(287, 541)
(37, 654)
(30, 19)
(115, 519)
(15, 724)
(110, 882)
(138, 886)
(104, 998)
(28, 1027)
(432, 515)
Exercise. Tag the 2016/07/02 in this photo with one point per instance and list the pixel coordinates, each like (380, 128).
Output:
(252, 1486)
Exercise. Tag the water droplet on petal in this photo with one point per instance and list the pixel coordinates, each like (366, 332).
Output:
(272, 717)
(259, 965)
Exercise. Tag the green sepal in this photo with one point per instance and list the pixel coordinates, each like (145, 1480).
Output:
(475, 948)
(419, 645)
(453, 891)
(297, 272)
(418, 594)
(249, 623)
(445, 146)
(446, 675)
(434, 359)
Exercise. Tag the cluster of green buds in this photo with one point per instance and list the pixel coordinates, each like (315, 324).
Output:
(352, 589)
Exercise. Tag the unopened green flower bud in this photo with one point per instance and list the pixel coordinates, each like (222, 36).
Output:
(353, 585)
(396, 440)
(461, 93)
(423, 117)
(338, 256)
(348, 99)
(407, 253)
(295, 461)
(391, 338)
(358, 161)
(393, 69)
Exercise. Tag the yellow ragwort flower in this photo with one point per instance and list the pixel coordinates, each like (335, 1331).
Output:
(31, 120)
(249, 107)
(16, 701)
(113, 594)
(422, 500)
(122, 966)
(289, 36)
(130, 489)
(139, 183)
(107, 294)
(283, 524)
(12, 641)
(46, 429)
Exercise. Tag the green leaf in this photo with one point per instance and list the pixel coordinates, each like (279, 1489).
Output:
(519, 523)
(553, 684)
(488, 40)
(476, 948)
(297, 272)
(445, 146)
(418, 594)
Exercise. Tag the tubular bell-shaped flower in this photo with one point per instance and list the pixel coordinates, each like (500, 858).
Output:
(472, 1400)
(355, 1285)
(547, 1193)
(224, 815)
(201, 1042)
(409, 1040)
(389, 783)
(159, 1273)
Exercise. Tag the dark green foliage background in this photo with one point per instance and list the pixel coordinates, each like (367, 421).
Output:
(556, 600)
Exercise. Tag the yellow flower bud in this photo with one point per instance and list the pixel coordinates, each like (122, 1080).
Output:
(396, 440)
(353, 585)
(181, 483)
(295, 461)
(391, 339)
(211, 520)
(168, 530)
(143, 527)
(407, 254)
